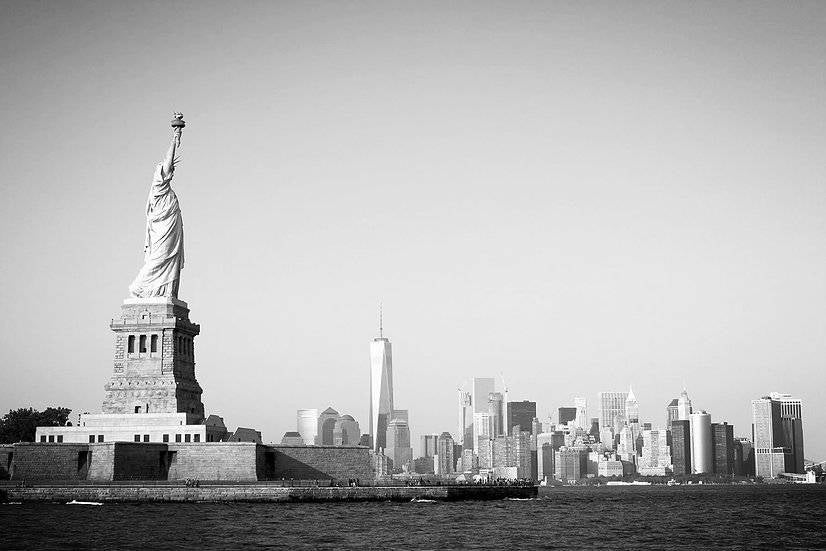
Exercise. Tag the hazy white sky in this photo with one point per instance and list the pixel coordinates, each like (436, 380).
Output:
(581, 196)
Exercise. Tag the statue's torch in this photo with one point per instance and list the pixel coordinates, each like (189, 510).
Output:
(178, 125)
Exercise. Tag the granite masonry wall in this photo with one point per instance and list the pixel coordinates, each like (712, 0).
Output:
(205, 461)
(49, 461)
(102, 465)
(235, 461)
(322, 462)
(140, 461)
(6, 455)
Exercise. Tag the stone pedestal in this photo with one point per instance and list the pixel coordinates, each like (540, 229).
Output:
(154, 360)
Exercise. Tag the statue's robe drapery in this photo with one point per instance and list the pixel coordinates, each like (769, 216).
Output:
(164, 249)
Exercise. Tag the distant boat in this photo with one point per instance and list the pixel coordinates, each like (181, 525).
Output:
(422, 500)
(623, 483)
(75, 502)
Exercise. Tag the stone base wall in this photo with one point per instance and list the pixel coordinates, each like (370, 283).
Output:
(6, 455)
(236, 461)
(102, 466)
(50, 461)
(205, 461)
(322, 462)
(139, 461)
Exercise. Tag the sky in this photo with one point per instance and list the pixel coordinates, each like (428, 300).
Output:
(577, 196)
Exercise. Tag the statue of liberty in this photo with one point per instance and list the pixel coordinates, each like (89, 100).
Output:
(164, 246)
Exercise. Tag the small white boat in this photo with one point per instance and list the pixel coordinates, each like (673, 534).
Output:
(422, 500)
(76, 502)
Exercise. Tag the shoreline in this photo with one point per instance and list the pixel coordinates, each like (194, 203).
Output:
(216, 493)
(223, 492)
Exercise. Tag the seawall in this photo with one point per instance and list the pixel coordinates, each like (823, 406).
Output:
(256, 493)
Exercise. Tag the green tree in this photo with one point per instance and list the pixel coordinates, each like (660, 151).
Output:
(54, 417)
(20, 425)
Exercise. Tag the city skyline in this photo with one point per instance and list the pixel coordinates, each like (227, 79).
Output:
(442, 261)
(571, 194)
(622, 409)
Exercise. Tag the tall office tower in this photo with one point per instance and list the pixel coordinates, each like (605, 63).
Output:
(496, 410)
(480, 390)
(569, 464)
(424, 465)
(444, 460)
(627, 447)
(428, 442)
(557, 439)
(772, 455)
(522, 414)
(381, 388)
(398, 443)
(484, 453)
(481, 428)
(482, 387)
(504, 451)
(789, 406)
(656, 456)
(465, 419)
(536, 428)
(701, 458)
(307, 425)
(723, 450)
(326, 427)
(594, 431)
(684, 409)
(791, 415)
(612, 410)
(545, 456)
(681, 446)
(523, 456)
(380, 464)
(581, 405)
(606, 438)
(566, 415)
(632, 408)
(346, 431)
(672, 413)
(793, 439)
(745, 465)
(468, 461)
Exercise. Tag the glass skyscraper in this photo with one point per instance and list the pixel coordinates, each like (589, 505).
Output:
(612, 410)
(381, 389)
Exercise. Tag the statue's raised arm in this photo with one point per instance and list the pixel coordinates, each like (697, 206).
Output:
(164, 246)
(177, 129)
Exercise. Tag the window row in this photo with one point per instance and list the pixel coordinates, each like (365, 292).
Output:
(141, 345)
(141, 348)
(138, 438)
(178, 437)
(185, 346)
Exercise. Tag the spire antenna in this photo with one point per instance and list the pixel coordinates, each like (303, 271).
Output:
(381, 322)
